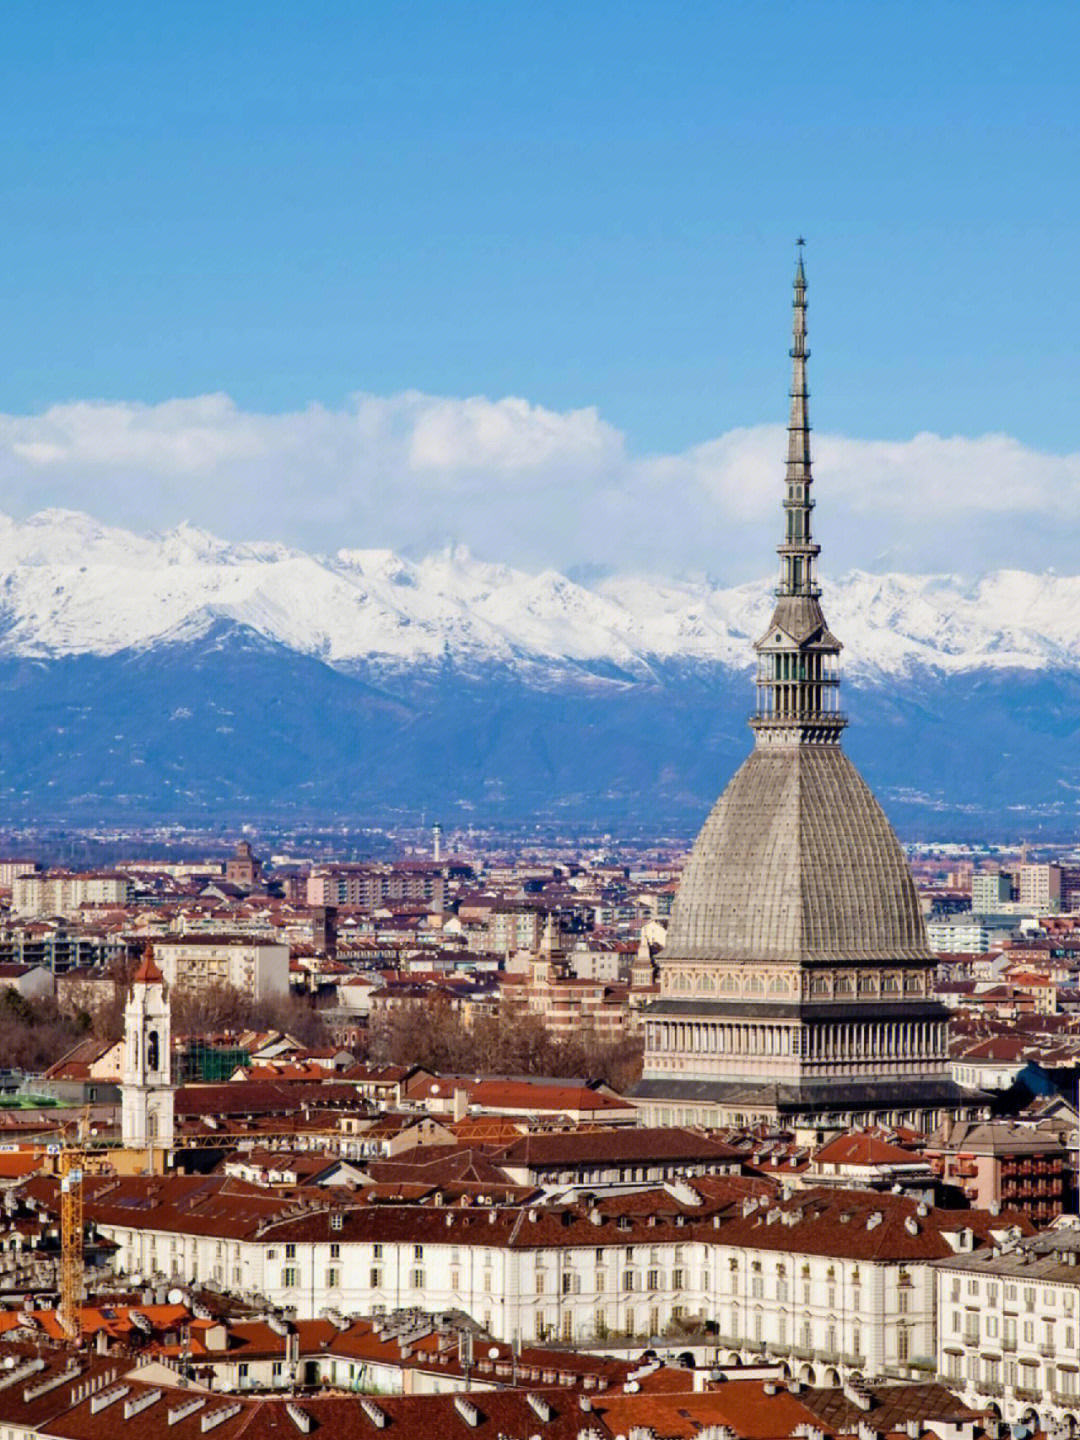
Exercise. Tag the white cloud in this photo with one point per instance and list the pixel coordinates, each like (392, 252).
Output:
(510, 437)
(526, 484)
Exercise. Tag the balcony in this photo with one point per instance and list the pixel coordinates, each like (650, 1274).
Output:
(1048, 1351)
(990, 1387)
(1028, 1392)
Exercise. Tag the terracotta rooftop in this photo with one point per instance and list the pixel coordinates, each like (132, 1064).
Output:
(613, 1145)
(862, 1149)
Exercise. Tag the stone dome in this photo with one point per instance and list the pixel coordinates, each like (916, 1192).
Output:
(797, 862)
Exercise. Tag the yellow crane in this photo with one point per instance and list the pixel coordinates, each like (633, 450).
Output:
(72, 1160)
(72, 1155)
(70, 1169)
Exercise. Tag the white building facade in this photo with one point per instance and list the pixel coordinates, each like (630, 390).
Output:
(792, 1279)
(257, 968)
(65, 895)
(1009, 1329)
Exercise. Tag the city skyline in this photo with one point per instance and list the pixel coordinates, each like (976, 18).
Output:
(392, 454)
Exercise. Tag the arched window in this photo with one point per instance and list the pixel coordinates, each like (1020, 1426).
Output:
(153, 1051)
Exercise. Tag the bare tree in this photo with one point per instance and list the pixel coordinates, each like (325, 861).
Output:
(514, 1041)
(34, 1034)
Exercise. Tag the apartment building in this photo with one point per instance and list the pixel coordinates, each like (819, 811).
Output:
(1009, 1328)
(61, 948)
(568, 1005)
(10, 870)
(258, 968)
(1039, 888)
(507, 929)
(961, 935)
(369, 886)
(827, 1282)
(64, 894)
(993, 892)
(1021, 1168)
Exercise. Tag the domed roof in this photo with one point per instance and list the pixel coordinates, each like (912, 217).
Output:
(797, 862)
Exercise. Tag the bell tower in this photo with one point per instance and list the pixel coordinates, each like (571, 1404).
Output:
(146, 1081)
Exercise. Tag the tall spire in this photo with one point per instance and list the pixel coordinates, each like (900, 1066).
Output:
(798, 658)
(798, 553)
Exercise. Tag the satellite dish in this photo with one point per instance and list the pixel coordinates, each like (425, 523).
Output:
(435, 1088)
(176, 1297)
(493, 1353)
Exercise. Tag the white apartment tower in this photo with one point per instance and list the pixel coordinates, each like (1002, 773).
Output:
(146, 1078)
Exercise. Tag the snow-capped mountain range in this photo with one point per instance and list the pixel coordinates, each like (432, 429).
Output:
(179, 676)
(72, 586)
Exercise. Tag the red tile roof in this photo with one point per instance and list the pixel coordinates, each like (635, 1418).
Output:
(863, 1149)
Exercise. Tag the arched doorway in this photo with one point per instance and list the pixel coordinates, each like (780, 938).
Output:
(831, 1378)
(808, 1375)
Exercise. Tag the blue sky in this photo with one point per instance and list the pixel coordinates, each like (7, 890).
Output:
(588, 207)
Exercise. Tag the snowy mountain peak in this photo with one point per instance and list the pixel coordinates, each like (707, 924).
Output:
(72, 585)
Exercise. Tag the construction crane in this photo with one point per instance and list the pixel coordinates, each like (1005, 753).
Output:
(72, 1264)
(71, 1167)
(76, 1148)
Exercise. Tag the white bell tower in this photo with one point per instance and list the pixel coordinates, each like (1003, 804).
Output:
(146, 1081)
